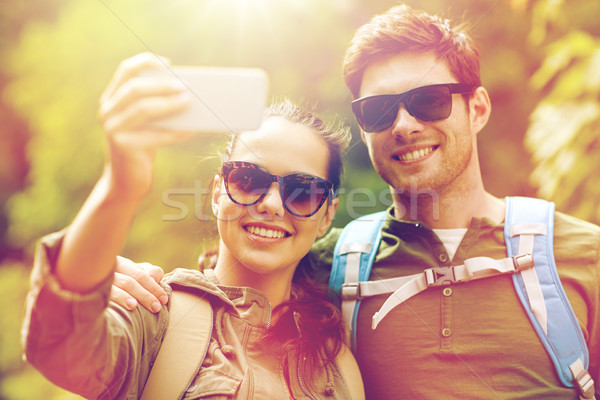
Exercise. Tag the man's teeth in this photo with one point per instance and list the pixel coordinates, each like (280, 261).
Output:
(415, 154)
(268, 233)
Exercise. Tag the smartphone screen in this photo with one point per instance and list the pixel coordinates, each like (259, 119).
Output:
(223, 99)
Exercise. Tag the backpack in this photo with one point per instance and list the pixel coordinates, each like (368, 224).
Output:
(529, 224)
(183, 348)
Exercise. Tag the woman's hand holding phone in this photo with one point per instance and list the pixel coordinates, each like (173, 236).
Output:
(149, 104)
(128, 107)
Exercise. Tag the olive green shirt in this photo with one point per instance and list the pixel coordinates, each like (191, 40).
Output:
(468, 340)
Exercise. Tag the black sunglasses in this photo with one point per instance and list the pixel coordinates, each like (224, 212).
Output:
(302, 194)
(426, 103)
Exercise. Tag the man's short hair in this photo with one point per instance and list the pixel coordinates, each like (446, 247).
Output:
(402, 29)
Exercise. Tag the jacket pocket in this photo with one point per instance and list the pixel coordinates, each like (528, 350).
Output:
(220, 376)
(213, 384)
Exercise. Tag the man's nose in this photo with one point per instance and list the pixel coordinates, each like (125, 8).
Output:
(405, 124)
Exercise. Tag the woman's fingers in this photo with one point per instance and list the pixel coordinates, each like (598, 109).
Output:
(136, 114)
(133, 100)
(136, 97)
(132, 67)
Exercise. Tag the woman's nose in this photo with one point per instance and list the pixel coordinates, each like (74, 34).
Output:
(271, 203)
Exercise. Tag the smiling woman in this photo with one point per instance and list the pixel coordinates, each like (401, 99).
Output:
(272, 337)
(286, 148)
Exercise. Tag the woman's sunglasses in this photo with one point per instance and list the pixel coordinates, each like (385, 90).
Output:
(302, 194)
(426, 103)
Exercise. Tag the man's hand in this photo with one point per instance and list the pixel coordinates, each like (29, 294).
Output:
(138, 283)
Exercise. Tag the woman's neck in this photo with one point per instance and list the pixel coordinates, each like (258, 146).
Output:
(276, 285)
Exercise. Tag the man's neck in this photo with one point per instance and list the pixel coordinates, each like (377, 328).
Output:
(449, 210)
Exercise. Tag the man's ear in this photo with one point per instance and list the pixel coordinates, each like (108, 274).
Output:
(480, 108)
(328, 217)
(216, 194)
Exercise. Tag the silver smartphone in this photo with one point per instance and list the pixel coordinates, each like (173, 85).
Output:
(223, 99)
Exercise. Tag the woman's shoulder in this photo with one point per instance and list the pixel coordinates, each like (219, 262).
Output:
(191, 280)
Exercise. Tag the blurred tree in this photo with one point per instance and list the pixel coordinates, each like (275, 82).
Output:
(564, 132)
(14, 132)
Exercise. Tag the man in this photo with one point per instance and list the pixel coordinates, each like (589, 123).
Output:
(468, 340)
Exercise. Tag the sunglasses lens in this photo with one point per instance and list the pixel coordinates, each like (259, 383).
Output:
(427, 103)
(246, 185)
(430, 103)
(376, 113)
(303, 195)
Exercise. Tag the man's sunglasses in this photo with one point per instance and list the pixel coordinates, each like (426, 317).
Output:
(426, 103)
(302, 194)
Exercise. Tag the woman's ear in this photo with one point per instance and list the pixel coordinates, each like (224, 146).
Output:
(328, 217)
(216, 195)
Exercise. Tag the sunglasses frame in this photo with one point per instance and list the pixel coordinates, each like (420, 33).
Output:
(453, 88)
(229, 166)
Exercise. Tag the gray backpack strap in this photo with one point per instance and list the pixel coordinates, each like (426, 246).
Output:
(183, 348)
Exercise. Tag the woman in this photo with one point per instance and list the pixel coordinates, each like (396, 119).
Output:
(273, 196)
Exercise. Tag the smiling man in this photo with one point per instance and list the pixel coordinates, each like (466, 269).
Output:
(420, 105)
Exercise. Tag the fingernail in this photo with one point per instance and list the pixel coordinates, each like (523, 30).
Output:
(163, 299)
(131, 303)
(156, 306)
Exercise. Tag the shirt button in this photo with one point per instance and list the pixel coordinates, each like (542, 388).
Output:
(446, 332)
(447, 291)
(443, 257)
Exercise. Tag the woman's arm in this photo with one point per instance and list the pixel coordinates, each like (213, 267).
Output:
(80, 344)
(97, 234)
(69, 332)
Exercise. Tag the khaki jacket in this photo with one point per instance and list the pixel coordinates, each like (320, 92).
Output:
(99, 350)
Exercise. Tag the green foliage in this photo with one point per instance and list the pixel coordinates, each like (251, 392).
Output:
(563, 134)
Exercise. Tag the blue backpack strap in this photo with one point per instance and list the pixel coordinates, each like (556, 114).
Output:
(353, 259)
(555, 324)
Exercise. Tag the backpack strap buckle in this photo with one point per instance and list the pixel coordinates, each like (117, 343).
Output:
(439, 276)
(583, 379)
(523, 261)
(351, 291)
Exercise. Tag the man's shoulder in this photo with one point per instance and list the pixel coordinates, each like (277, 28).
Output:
(576, 238)
(574, 225)
(327, 243)
(316, 264)
(569, 227)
